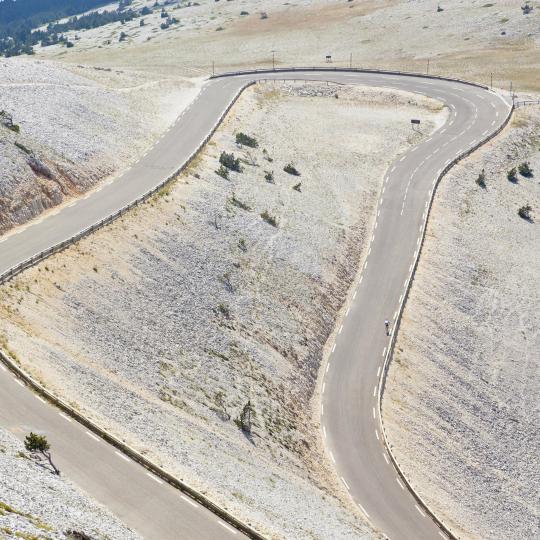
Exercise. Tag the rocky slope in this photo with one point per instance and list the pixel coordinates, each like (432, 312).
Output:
(35, 503)
(63, 131)
(462, 394)
(221, 292)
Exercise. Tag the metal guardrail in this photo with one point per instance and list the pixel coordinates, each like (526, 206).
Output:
(223, 514)
(133, 454)
(349, 70)
(388, 358)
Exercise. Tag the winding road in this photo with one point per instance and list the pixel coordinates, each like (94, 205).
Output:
(350, 415)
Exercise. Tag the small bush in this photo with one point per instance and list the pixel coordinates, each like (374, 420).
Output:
(481, 180)
(123, 36)
(525, 169)
(21, 146)
(512, 175)
(244, 13)
(269, 176)
(298, 187)
(229, 161)
(239, 203)
(223, 172)
(224, 310)
(246, 140)
(269, 218)
(291, 169)
(242, 245)
(525, 212)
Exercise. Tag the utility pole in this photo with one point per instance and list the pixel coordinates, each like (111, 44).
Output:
(273, 60)
(491, 81)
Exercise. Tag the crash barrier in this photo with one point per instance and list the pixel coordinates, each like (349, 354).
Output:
(223, 514)
(388, 358)
(444, 528)
(349, 70)
(526, 102)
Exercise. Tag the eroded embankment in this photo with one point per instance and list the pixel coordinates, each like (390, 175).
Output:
(219, 292)
(461, 401)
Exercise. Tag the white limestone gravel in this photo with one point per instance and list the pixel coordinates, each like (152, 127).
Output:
(162, 326)
(462, 395)
(37, 504)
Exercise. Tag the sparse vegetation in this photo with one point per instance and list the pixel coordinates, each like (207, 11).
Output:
(246, 418)
(269, 176)
(525, 169)
(512, 175)
(246, 140)
(298, 187)
(242, 245)
(238, 203)
(269, 218)
(223, 172)
(525, 212)
(38, 444)
(291, 169)
(224, 310)
(481, 180)
(228, 160)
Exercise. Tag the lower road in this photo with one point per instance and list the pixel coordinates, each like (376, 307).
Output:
(349, 407)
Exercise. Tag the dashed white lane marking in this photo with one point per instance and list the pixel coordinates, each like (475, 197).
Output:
(347, 312)
(19, 382)
(497, 114)
(324, 431)
(40, 398)
(322, 409)
(332, 457)
(393, 169)
(327, 367)
(374, 416)
(119, 454)
(402, 158)
(360, 280)
(354, 295)
(369, 250)
(386, 459)
(400, 484)
(345, 483)
(374, 390)
(400, 299)
(334, 347)
(92, 436)
(376, 223)
(378, 371)
(230, 529)
(384, 351)
(443, 535)
(340, 329)
(395, 315)
(410, 268)
(377, 434)
(420, 510)
(378, 213)
(188, 500)
(363, 509)
(365, 265)
(323, 387)
(65, 417)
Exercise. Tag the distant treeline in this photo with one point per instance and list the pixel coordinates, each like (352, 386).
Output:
(18, 18)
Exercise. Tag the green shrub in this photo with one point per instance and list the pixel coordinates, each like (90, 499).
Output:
(525, 212)
(481, 180)
(269, 218)
(512, 175)
(298, 187)
(23, 148)
(269, 176)
(239, 203)
(229, 161)
(291, 169)
(223, 172)
(525, 169)
(246, 140)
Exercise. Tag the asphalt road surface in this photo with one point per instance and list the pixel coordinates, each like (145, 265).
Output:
(349, 414)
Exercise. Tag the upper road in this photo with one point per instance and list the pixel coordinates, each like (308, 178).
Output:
(350, 412)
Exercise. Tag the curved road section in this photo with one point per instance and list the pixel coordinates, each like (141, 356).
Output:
(350, 387)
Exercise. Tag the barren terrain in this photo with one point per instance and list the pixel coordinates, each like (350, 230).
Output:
(36, 504)
(224, 292)
(462, 393)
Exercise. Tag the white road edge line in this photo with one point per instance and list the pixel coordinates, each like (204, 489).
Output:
(92, 436)
(420, 510)
(40, 398)
(386, 459)
(119, 454)
(400, 484)
(230, 529)
(19, 382)
(188, 500)
(345, 483)
(363, 509)
(64, 416)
